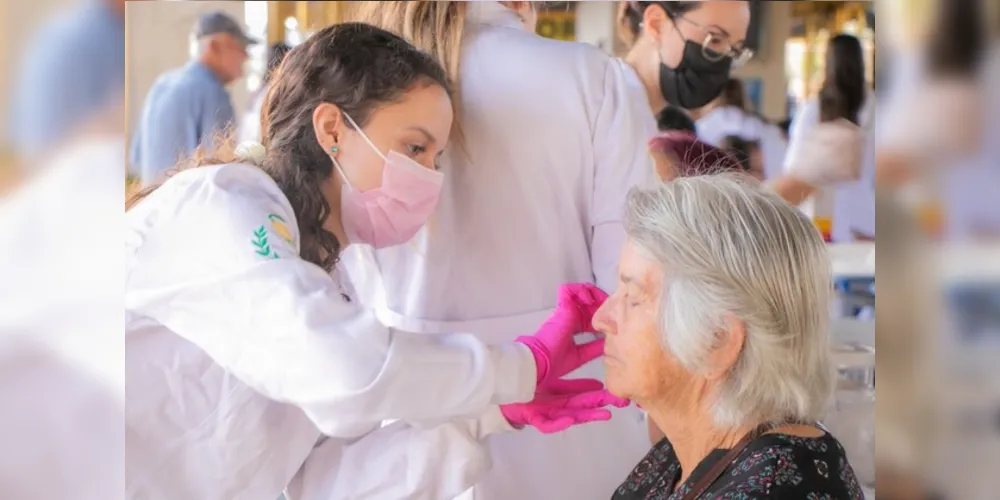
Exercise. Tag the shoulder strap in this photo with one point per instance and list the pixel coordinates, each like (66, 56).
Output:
(720, 466)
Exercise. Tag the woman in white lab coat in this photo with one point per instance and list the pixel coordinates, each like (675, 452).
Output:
(551, 136)
(242, 350)
(830, 160)
(683, 52)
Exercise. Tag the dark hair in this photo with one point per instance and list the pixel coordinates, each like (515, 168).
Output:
(957, 39)
(785, 126)
(843, 91)
(734, 94)
(691, 156)
(631, 18)
(674, 118)
(354, 66)
(741, 149)
(275, 54)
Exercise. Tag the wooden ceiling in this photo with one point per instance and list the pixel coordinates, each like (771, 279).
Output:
(824, 8)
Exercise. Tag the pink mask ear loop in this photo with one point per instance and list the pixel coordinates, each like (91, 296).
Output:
(364, 136)
(342, 174)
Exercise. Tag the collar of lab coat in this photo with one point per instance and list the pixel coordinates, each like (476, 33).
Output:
(492, 14)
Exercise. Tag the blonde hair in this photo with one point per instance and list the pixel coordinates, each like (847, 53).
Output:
(433, 27)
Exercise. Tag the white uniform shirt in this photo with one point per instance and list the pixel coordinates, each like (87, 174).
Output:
(717, 124)
(556, 135)
(851, 204)
(240, 354)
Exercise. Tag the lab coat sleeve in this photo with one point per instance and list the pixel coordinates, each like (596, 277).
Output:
(803, 122)
(412, 463)
(624, 123)
(281, 326)
(824, 154)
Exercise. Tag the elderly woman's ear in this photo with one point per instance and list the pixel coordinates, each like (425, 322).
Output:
(726, 348)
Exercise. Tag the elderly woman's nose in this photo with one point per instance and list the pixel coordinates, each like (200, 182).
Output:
(602, 320)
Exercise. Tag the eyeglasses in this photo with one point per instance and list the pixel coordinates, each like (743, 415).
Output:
(717, 46)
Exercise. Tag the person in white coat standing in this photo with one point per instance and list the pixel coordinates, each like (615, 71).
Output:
(551, 137)
(684, 52)
(830, 165)
(243, 353)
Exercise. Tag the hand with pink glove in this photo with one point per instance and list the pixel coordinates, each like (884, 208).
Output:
(553, 345)
(561, 404)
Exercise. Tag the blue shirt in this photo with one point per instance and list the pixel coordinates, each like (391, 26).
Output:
(185, 108)
(73, 69)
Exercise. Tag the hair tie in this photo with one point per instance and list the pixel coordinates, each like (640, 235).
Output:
(251, 151)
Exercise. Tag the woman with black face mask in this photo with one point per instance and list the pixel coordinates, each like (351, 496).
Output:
(683, 51)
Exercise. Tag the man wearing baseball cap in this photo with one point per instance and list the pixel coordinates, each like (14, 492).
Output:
(189, 106)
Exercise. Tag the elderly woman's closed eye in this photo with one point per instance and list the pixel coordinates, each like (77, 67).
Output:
(718, 330)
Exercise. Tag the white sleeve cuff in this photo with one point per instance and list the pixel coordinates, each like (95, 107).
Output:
(491, 422)
(516, 373)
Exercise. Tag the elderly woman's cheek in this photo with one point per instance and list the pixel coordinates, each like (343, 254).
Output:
(636, 366)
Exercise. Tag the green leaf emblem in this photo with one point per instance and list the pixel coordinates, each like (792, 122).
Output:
(261, 246)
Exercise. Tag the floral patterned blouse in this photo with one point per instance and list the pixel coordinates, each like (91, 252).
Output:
(772, 466)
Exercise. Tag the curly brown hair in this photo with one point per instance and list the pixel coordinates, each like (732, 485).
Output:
(357, 67)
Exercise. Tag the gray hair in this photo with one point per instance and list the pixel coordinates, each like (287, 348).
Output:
(727, 245)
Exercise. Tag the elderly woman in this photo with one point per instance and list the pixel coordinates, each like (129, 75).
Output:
(718, 330)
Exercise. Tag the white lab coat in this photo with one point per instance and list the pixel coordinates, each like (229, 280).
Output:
(853, 203)
(237, 362)
(721, 122)
(556, 135)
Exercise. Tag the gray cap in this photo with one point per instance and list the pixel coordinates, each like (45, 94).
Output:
(218, 22)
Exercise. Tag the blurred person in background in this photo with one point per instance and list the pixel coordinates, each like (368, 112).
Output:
(249, 129)
(74, 69)
(677, 154)
(719, 330)
(830, 160)
(960, 49)
(676, 119)
(190, 106)
(941, 82)
(683, 52)
(786, 127)
(729, 116)
(533, 196)
(748, 153)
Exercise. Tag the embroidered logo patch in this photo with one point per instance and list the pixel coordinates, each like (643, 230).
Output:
(261, 246)
(280, 227)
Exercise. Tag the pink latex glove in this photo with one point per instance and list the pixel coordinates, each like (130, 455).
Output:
(555, 351)
(561, 404)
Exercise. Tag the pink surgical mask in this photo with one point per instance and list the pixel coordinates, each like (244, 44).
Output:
(394, 212)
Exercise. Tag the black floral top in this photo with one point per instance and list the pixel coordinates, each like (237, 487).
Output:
(772, 466)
